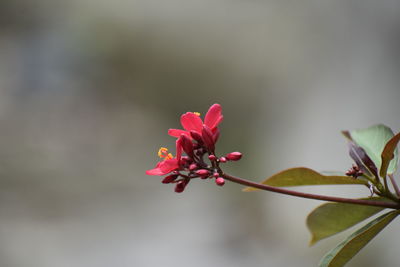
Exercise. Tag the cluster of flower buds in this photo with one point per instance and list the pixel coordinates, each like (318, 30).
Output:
(354, 171)
(197, 141)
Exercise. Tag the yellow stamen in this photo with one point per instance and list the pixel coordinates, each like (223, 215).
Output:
(196, 113)
(163, 153)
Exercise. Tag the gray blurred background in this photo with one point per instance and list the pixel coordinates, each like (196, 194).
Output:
(89, 88)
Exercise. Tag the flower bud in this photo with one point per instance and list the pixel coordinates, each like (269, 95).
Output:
(222, 159)
(216, 174)
(180, 186)
(203, 173)
(220, 181)
(354, 171)
(212, 157)
(234, 156)
(187, 145)
(196, 136)
(169, 178)
(208, 138)
(193, 166)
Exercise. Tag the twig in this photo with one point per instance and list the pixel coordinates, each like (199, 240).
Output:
(391, 205)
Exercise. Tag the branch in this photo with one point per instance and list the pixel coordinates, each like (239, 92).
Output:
(391, 205)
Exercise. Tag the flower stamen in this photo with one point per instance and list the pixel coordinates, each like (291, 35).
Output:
(163, 153)
(197, 113)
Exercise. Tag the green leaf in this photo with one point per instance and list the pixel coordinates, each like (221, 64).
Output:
(332, 218)
(304, 176)
(373, 141)
(389, 153)
(347, 249)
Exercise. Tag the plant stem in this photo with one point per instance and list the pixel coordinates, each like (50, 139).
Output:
(391, 205)
(396, 188)
(385, 183)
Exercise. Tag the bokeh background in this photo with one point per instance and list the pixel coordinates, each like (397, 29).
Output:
(88, 89)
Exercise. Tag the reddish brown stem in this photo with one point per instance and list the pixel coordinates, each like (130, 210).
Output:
(391, 205)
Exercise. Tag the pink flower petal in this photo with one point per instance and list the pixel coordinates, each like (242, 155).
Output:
(169, 165)
(155, 171)
(219, 120)
(191, 122)
(177, 132)
(213, 116)
(179, 148)
(164, 167)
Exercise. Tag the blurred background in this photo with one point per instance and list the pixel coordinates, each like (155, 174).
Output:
(88, 89)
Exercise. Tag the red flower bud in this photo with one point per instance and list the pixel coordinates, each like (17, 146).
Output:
(203, 173)
(212, 157)
(180, 186)
(234, 156)
(216, 174)
(196, 136)
(220, 181)
(193, 166)
(222, 159)
(208, 138)
(187, 145)
(169, 178)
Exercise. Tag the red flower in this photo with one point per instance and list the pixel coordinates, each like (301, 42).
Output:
(192, 122)
(170, 163)
(197, 141)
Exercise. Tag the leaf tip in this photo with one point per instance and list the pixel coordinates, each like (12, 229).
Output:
(313, 241)
(347, 135)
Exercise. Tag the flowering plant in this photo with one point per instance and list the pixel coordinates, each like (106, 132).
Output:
(374, 151)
